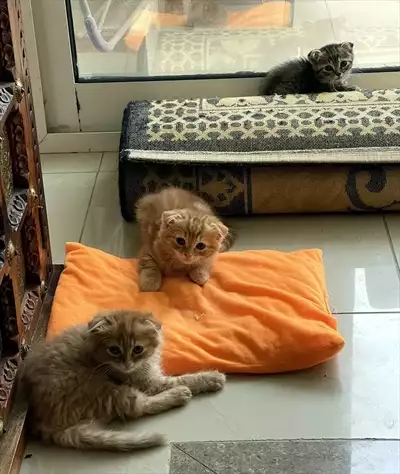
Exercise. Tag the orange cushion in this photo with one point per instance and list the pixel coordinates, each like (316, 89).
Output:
(262, 311)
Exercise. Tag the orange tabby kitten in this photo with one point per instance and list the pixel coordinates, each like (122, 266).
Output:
(180, 234)
(109, 369)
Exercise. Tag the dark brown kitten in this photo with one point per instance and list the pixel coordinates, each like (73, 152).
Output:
(92, 374)
(324, 70)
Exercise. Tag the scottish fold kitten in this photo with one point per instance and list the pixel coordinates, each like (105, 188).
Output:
(323, 70)
(90, 375)
(180, 234)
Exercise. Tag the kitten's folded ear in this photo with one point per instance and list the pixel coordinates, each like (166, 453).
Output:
(348, 45)
(150, 321)
(171, 217)
(221, 229)
(314, 55)
(99, 322)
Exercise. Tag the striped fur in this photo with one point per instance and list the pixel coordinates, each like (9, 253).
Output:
(180, 234)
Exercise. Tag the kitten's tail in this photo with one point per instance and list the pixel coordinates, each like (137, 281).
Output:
(93, 436)
(228, 241)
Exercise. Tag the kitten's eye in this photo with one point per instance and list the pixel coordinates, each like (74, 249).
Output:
(137, 350)
(181, 241)
(344, 64)
(200, 246)
(114, 350)
(328, 68)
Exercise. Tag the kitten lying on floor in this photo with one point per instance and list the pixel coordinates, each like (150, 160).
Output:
(324, 70)
(109, 369)
(180, 234)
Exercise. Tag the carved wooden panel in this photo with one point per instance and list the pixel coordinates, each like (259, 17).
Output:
(6, 48)
(8, 322)
(19, 158)
(2, 247)
(8, 372)
(20, 272)
(29, 313)
(6, 168)
(6, 99)
(2, 237)
(31, 251)
(21, 76)
(25, 258)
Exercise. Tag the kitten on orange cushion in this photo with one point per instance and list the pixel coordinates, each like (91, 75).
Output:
(180, 234)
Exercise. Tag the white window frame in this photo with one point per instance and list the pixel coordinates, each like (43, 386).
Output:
(82, 117)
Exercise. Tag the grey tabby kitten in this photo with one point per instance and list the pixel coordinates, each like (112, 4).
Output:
(109, 369)
(324, 70)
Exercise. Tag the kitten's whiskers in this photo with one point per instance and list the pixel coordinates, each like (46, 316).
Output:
(104, 369)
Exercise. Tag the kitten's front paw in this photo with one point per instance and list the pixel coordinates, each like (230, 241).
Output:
(199, 276)
(214, 381)
(150, 281)
(178, 396)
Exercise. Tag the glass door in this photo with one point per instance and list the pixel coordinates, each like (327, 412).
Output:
(96, 55)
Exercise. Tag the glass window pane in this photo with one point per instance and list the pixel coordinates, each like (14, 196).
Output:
(147, 38)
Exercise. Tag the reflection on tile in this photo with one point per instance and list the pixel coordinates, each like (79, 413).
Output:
(290, 457)
(70, 162)
(393, 222)
(354, 396)
(67, 201)
(105, 229)
(360, 268)
(181, 463)
(53, 460)
(109, 161)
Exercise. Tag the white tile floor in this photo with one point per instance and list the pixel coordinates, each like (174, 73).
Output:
(357, 395)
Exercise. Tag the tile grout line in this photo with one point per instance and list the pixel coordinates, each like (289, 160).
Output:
(63, 171)
(278, 440)
(90, 199)
(344, 313)
(391, 244)
(101, 160)
(69, 172)
(194, 459)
